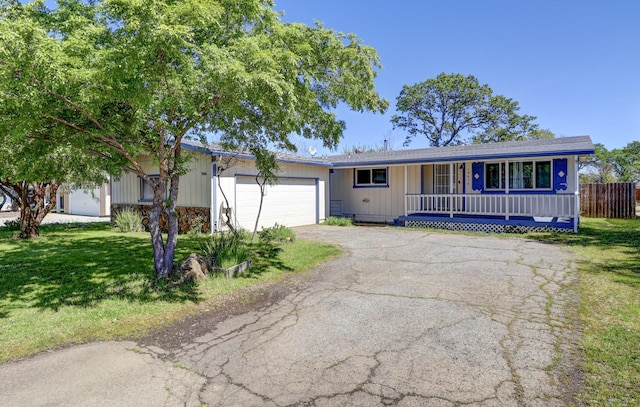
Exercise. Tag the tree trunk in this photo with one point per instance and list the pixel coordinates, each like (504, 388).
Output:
(262, 186)
(164, 252)
(172, 220)
(29, 226)
(33, 209)
(156, 239)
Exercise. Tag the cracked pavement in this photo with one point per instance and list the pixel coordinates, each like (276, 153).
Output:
(403, 317)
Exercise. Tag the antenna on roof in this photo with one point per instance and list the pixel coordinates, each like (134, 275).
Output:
(313, 151)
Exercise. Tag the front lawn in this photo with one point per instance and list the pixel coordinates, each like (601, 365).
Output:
(78, 283)
(609, 270)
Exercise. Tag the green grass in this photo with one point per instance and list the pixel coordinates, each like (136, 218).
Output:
(609, 269)
(338, 221)
(78, 283)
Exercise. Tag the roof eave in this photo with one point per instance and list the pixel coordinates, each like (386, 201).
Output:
(460, 158)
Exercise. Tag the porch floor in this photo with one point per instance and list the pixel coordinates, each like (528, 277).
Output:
(516, 221)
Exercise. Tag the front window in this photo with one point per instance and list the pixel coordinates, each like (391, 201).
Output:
(146, 190)
(521, 175)
(371, 177)
(495, 176)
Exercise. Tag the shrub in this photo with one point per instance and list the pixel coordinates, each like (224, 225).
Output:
(12, 225)
(128, 220)
(276, 234)
(338, 221)
(225, 249)
(195, 225)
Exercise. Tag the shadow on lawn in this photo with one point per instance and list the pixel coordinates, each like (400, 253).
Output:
(608, 234)
(63, 268)
(267, 257)
(67, 267)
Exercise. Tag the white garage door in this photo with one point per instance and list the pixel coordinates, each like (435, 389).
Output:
(291, 202)
(84, 202)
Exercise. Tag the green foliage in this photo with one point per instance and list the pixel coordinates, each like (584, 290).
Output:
(617, 165)
(195, 225)
(80, 284)
(225, 249)
(451, 109)
(12, 225)
(121, 81)
(608, 253)
(128, 220)
(277, 234)
(338, 221)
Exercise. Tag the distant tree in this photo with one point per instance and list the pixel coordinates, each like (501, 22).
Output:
(451, 109)
(541, 134)
(128, 79)
(617, 165)
(626, 162)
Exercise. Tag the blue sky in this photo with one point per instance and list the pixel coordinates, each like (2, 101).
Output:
(573, 64)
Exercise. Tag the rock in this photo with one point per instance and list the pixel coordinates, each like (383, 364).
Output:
(194, 268)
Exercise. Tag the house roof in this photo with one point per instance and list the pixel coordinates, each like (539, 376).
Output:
(215, 149)
(580, 145)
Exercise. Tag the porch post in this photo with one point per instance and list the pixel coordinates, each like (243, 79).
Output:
(406, 190)
(576, 204)
(451, 189)
(506, 190)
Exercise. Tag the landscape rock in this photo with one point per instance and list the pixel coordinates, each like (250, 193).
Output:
(194, 268)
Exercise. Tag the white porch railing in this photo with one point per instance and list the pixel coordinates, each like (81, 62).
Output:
(538, 205)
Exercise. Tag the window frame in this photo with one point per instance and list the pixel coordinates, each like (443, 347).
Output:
(507, 174)
(371, 177)
(144, 185)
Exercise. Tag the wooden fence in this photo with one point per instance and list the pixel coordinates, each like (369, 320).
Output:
(614, 200)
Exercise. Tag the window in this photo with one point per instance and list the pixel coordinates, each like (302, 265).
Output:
(371, 177)
(494, 176)
(522, 175)
(543, 174)
(146, 190)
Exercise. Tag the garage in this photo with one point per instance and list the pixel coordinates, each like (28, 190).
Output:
(291, 202)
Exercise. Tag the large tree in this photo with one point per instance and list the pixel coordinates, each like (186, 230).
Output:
(626, 162)
(126, 78)
(617, 165)
(31, 171)
(452, 108)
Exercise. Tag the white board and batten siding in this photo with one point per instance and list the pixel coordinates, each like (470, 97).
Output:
(300, 197)
(373, 204)
(194, 190)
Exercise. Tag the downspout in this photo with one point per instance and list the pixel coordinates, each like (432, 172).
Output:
(576, 207)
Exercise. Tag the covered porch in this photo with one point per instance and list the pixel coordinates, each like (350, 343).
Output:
(492, 212)
(509, 186)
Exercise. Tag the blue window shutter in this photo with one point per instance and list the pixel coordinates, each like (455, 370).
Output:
(560, 171)
(477, 176)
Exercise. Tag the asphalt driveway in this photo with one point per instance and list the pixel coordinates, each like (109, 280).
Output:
(404, 317)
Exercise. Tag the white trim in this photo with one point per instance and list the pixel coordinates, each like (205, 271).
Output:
(576, 217)
(406, 188)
